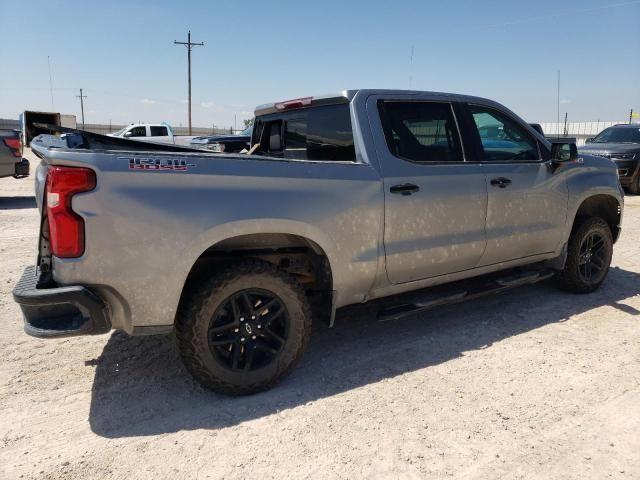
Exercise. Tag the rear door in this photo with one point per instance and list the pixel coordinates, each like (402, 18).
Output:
(527, 203)
(435, 202)
(159, 134)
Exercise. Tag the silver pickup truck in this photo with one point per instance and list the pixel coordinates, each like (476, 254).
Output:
(405, 199)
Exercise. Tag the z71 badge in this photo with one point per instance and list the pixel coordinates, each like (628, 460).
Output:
(139, 163)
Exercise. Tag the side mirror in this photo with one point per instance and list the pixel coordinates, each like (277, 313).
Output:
(589, 140)
(127, 134)
(564, 152)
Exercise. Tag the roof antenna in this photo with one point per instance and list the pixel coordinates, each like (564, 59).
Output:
(50, 83)
(411, 67)
(558, 100)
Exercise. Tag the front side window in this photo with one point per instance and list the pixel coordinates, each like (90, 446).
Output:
(421, 131)
(138, 132)
(159, 131)
(502, 138)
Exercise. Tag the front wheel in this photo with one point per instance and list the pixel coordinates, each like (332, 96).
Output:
(244, 329)
(588, 257)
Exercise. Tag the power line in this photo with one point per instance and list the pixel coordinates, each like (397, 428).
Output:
(82, 97)
(189, 44)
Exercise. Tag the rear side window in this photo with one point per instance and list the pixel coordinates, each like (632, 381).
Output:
(317, 133)
(159, 131)
(421, 131)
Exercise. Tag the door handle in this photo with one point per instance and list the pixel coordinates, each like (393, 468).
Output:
(404, 189)
(501, 182)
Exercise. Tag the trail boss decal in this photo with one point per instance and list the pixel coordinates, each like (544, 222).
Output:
(141, 163)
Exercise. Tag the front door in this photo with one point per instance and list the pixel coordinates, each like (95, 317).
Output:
(527, 203)
(435, 202)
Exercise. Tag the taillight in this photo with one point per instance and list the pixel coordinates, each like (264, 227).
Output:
(295, 103)
(15, 145)
(66, 228)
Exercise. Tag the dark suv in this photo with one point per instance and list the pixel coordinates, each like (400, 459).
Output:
(620, 143)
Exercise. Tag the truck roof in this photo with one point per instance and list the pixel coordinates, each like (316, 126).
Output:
(346, 96)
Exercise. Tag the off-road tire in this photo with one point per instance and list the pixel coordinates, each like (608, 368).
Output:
(197, 310)
(569, 278)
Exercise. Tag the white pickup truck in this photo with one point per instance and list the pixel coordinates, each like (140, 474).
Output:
(147, 132)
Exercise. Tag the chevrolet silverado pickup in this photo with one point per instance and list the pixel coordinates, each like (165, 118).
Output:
(406, 199)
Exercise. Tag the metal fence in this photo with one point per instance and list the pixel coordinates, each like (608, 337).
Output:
(7, 124)
(579, 130)
(103, 129)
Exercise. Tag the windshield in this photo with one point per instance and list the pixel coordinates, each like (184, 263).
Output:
(247, 131)
(119, 132)
(618, 135)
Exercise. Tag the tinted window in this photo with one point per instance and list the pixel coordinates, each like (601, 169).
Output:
(316, 133)
(619, 135)
(159, 131)
(502, 138)
(138, 132)
(421, 131)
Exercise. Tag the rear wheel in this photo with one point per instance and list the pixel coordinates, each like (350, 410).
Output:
(244, 329)
(588, 257)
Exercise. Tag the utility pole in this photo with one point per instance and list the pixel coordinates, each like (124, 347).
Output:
(82, 97)
(631, 116)
(189, 44)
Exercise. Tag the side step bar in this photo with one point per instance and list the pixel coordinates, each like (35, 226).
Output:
(458, 292)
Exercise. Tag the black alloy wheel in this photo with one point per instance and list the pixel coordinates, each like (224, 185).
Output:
(249, 330)
(592, 259)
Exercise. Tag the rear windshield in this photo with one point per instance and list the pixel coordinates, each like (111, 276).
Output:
(315, 133)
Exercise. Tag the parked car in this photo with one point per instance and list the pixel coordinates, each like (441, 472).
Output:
(376, 196)
(225, 143)
(147, 132)
(620, 143)
(11, 162)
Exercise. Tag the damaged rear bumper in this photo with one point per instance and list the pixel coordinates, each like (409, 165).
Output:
(56, 312)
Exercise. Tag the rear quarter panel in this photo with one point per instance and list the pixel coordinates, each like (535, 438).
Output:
(146, 229)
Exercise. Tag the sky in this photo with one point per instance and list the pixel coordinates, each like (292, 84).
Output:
(121, 53)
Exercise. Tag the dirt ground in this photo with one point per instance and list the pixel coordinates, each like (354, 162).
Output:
(531, 384)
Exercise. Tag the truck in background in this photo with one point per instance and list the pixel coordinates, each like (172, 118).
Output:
(147, 132)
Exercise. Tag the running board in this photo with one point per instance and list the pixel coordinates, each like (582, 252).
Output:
(458, 292)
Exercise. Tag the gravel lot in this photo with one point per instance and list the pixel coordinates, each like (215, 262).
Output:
(531, 384)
